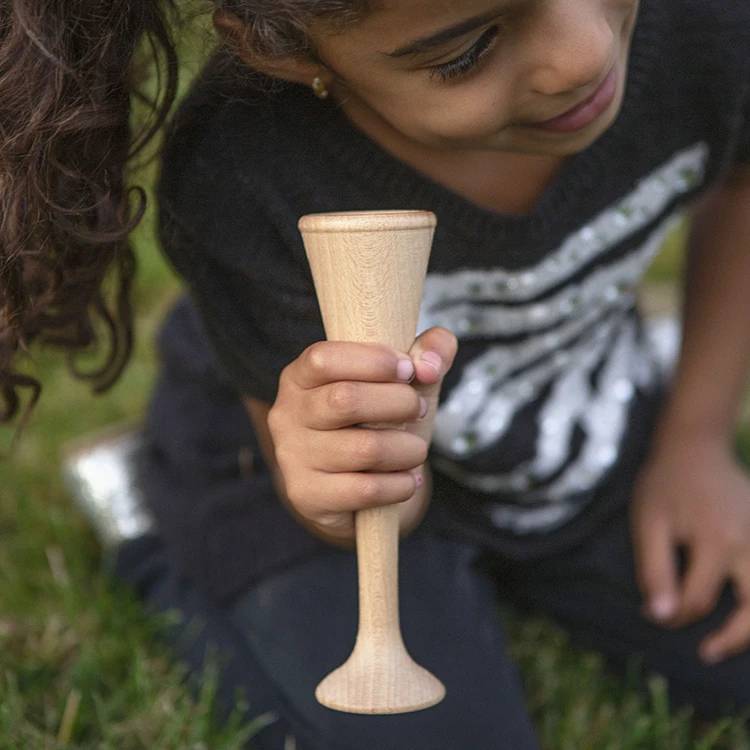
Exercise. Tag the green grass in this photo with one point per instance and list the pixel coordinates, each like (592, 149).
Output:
(82, 666)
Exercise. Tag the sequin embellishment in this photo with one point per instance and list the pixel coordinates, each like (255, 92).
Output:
(560, 338)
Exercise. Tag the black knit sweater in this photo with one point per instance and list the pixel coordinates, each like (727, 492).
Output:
(546, 413)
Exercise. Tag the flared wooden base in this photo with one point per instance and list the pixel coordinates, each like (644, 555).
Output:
(366, 684)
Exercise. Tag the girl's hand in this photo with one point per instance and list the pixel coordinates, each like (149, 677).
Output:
(692, 491)
(332, 466)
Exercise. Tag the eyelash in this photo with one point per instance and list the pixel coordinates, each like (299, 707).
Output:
(466, 62)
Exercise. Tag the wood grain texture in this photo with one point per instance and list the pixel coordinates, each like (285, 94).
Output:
(369, 269)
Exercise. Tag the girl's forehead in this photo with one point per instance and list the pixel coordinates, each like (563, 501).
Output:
(405, 6)
(458, 7)
(401, 21)
(435, 10)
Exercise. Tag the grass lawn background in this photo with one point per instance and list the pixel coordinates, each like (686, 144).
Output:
(81, 665)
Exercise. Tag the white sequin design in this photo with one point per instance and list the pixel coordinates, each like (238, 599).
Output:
(568, 333)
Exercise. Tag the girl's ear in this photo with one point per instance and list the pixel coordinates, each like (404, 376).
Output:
(290, 68)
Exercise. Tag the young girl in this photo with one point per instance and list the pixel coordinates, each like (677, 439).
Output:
(555, 455)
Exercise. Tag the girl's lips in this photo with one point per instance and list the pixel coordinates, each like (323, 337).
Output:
(586, 112)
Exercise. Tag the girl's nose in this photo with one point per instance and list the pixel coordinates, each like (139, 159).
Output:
(572, 48)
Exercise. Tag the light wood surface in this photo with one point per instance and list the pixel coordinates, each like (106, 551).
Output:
(369, 269)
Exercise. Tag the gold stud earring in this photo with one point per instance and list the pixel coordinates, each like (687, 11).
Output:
(319, 88)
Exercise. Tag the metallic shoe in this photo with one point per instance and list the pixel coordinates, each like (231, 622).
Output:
(99, 473)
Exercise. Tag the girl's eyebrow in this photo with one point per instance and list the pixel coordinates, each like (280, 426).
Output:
(444, 35)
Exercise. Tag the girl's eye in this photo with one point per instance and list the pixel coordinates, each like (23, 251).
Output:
(468, 60)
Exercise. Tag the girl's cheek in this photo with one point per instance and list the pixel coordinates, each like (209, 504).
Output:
(471, 115)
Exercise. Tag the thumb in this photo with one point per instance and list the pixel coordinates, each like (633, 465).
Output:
(656, 566)
(433, 353)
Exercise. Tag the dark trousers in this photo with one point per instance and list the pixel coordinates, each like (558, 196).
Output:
(280, 637)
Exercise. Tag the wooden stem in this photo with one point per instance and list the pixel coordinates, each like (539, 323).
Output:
(377, 561)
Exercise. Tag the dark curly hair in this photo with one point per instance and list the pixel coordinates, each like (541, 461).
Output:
(69, 70)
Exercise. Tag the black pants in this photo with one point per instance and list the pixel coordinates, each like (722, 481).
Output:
(280, 637)
(286, 631)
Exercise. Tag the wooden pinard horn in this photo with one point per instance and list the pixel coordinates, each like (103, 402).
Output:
(369, 268)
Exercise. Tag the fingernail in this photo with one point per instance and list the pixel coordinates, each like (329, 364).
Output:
(711, 654)
(433, 359)
(423, 406)
(405, 369)
(662, 606)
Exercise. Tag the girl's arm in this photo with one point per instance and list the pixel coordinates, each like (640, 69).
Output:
(714, 360)
(692, 491)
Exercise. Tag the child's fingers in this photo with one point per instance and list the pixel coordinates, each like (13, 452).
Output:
(330, 361)
(734, 635)
(657, 568)
(433, 353)
(704, 579)
(344, 403)
(336, 528)
(352, 491)
(362, 449)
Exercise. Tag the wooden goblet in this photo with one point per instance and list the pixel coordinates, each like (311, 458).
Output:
(369, 268)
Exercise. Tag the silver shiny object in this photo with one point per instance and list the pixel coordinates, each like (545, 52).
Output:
(100, 476)
(603, 287)
(479, 398)
(603, 415)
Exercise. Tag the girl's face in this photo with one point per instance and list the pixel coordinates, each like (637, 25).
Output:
(514, 63)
